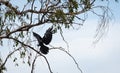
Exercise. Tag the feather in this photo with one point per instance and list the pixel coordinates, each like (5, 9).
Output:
(47, 36)
(39, 39)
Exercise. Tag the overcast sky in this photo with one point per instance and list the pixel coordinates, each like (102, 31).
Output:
(103, 57)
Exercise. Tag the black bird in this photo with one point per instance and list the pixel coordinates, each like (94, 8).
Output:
(44, 49)
(45, 40)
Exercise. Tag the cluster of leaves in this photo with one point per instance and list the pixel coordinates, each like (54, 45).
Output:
(56, 12)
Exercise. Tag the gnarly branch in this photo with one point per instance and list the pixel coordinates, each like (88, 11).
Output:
(62, 49)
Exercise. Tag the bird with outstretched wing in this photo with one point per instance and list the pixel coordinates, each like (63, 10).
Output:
(45, 40)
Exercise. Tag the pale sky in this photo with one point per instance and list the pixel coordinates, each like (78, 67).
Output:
(103, 57)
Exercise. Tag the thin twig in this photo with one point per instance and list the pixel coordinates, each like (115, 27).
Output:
(33, 64)
(32, 13)
(48, 64)
(61, 33)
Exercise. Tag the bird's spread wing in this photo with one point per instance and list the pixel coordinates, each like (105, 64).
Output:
(38, 37)
(47, 36)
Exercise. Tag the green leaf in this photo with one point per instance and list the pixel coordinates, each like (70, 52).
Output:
(1, 42)
(27, 16)
(75, 5)
(16, 44)
(22, 54)
(7, 30)
(29, 63)
(21, 34)
(29, 0)
(14, 59)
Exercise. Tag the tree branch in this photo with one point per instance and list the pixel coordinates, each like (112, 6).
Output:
(8, 4)
(9, 56)
(33, 64)
(61, 33)
(32, 49)
(48, 64)
(62, 49)
(24, 28)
